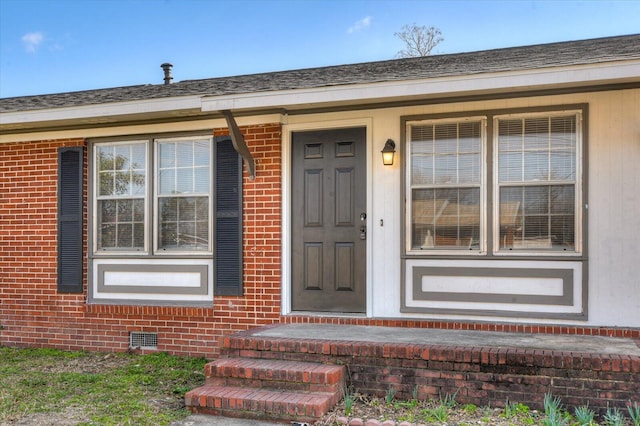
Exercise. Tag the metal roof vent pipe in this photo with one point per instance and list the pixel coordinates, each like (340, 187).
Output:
(166, 67)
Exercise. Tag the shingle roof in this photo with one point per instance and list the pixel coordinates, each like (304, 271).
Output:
(448, 65)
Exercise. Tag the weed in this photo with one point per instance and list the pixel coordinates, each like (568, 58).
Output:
(551, 404)
(613, 417)
(408, 417)
(391, 394)
(487, 412)
(414, 393)
(522, 409)
(349, 400)
(512, 409)
(180, 389)
(554, 415)
(584, 415)
(424, 415)
(438, 414)
(449, 401)
(555, 418)
(406, 404)
(470, 409)
(634, 413)
(509, 409)
(412, 403)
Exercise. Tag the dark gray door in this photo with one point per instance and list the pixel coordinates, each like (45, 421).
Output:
(329, 220)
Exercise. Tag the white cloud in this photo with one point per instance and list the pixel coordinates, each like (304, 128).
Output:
(32, 41)
(360, 25)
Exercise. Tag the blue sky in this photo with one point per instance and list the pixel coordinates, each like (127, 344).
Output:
(52, 46)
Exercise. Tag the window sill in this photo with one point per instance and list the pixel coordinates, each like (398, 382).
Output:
(539, 253)
(446, 252)
(143, 255)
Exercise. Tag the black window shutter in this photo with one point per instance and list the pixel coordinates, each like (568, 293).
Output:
(70, 219)
(228, 219)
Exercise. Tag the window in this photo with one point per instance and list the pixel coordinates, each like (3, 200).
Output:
(536, 189)
(121, 184)
(165, 219)
(183, 197)
(445, 176)
(531, 205)
(181, 202)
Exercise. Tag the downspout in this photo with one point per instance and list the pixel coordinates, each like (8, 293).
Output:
(239, 143)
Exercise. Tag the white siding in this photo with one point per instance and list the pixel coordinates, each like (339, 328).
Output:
(614, 209)
(613, 231)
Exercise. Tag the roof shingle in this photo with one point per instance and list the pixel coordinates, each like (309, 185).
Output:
(580, 52)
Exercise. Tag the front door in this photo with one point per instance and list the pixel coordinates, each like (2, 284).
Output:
(329, 220)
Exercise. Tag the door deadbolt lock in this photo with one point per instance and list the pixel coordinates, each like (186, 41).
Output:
(363, 232)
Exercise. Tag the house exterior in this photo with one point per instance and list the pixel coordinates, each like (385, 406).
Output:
(168, 216)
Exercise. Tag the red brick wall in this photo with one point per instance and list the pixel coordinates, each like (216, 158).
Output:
(480, 375)
(33, 313)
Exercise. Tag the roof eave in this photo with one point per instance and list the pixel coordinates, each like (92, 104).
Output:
(105, 112)
(456, 86)
(327, 97)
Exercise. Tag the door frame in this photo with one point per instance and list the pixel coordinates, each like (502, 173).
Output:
(287, 129)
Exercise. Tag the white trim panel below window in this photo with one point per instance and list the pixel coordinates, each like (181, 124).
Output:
(541, 289)
(155, 281)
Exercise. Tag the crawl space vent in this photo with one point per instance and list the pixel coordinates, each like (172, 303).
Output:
(143, 340)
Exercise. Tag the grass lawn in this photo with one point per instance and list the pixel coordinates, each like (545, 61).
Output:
(48, 386)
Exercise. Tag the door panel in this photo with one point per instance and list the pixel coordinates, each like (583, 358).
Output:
(329, 220)
(313, 182)
(344, 197)
(313, 266)
(344, 267)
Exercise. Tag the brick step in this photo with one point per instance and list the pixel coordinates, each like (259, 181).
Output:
(275, 374)
(260, 403)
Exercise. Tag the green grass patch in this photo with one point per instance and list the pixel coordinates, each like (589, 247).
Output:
(96, 388)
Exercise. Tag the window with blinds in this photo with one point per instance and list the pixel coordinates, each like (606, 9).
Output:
(180, 204)
(184, 186)
(534, 185)
(537, 182)
(446, 170)
(177, 197)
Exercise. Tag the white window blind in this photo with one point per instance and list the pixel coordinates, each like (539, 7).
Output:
(446, 168)
(184, 194)
(537, 182)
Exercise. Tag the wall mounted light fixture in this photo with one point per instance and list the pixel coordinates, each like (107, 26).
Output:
(388, 152)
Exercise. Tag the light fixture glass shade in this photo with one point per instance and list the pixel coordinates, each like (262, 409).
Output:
(388, 152)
